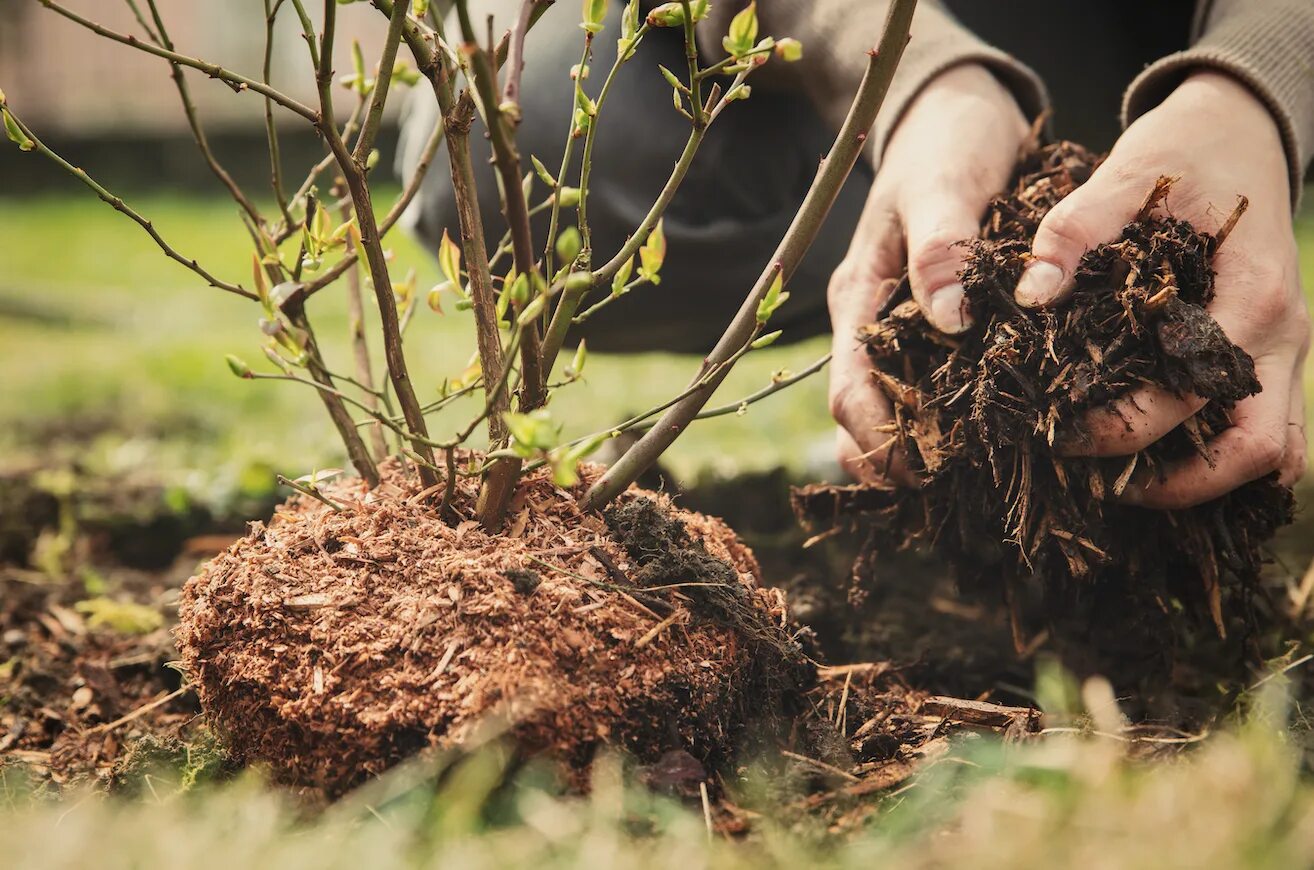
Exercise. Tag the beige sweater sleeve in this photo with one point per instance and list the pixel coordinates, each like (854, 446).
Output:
(1266, 44)
(836, 36)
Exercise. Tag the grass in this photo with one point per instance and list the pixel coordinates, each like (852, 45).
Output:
(102, 328)
(102, 335)
(1238, 801)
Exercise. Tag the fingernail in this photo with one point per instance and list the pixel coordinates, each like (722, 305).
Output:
(949, 309)
(1039, 284)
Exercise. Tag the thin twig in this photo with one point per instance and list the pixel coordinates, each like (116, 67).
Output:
(804, 228)
(117, 203)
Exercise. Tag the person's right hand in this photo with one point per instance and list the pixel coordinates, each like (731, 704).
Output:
(953, 150)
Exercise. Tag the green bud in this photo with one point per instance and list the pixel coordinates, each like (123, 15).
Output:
(622, 277)
(772, 299)
(238, 366)
(527, 184)
(568, 245)
(577, 363)
(419, 8)
(739, 92)
(543, 173)
(404, 73)
(520, 290)
(15, 133)
(672, 80)
(373, 159)
(666, 15)
(568, 197)
(766, 340)
(789, 49)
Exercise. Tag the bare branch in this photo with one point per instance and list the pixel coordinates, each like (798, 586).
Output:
(834, 171)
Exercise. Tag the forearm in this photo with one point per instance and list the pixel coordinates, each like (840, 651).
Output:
(1267, 45)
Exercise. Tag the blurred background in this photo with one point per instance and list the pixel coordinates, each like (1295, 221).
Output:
(113, 356)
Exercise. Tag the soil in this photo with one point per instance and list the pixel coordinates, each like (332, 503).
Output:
(979, 417)
(328, 645)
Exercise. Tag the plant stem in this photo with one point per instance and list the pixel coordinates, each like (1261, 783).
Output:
(333, 401)
(361, 350)
(370, 240)
(825, 188)
(514, 207)
(382, 80)
(570, 300)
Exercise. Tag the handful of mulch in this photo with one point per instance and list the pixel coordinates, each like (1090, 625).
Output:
(978, 416)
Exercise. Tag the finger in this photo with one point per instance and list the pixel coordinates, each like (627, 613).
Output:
(1092, 214)
(1130, 423)
(863, 413)
(1255, 445)
(935, 222)
(1297, 458)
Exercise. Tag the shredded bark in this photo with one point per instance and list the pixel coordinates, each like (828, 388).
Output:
(330, 645)
(979, 417)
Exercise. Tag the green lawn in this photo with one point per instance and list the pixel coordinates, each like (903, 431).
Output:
(96, 325)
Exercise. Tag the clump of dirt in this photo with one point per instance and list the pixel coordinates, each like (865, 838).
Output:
(331, 644)
(979, 416)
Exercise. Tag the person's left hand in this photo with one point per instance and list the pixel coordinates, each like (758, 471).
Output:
(1221, 142)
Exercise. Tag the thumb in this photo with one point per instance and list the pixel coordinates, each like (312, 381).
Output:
(1091, 215)
(935, 226)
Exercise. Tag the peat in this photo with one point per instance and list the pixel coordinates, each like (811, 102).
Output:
(979, 416)
(331, 644)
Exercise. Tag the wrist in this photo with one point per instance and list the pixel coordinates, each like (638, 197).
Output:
(1221, 98)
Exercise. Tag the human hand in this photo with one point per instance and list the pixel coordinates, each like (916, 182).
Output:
(953, 150)
(1221, 142)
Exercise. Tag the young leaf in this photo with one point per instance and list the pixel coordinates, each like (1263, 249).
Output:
(15, 133)
(594, 13)
(622, 277)
(766, 340)
(449, 259)
(771, 300)
(419, 8)
(743, 31)
(652, 255)
(435, 297)
(358, 65)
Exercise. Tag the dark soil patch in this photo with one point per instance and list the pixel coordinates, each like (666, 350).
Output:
(979, 414)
